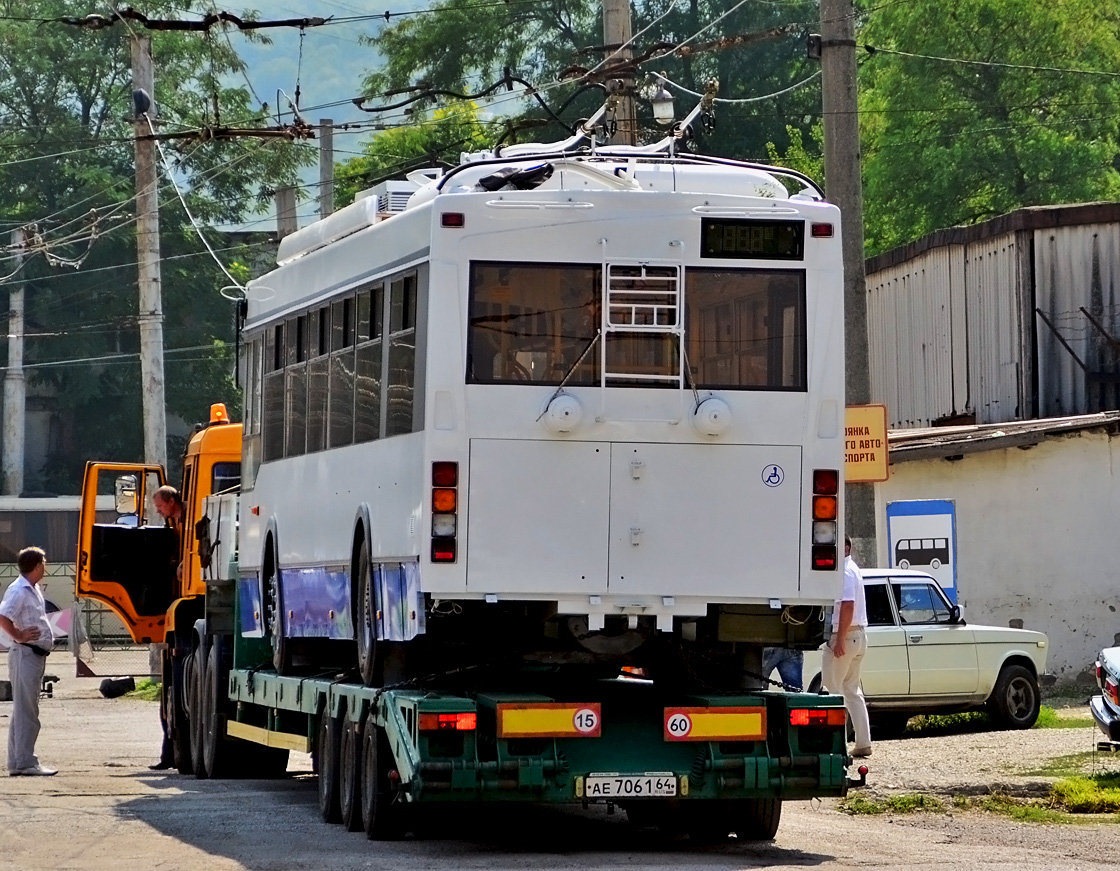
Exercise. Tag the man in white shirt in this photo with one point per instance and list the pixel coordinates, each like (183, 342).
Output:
(843, 655)
(23, 615)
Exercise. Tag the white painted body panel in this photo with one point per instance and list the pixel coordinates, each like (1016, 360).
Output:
(535, 518)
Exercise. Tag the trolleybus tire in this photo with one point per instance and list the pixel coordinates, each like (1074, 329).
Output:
(350, 774)
(382, 816)
(756, 819)
(328, 766)
(197, 710)
(216, 755)
(281, 646)
(365, 629)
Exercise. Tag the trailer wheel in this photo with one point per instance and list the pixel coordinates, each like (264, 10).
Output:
(328, 767)
(364, 626)
(757, 819)
(382, 815)
(216, 756)
(350, 775)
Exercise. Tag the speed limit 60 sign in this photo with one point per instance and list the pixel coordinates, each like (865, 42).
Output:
(715, 724)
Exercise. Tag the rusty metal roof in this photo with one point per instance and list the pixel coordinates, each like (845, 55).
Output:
(952, 442)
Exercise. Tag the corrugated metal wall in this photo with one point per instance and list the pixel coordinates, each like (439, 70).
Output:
(1074, 268)
(953, 328)
(944, 331)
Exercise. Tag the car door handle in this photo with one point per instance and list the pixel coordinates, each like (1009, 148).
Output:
(914, 639)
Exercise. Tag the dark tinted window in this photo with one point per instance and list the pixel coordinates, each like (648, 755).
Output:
(879, 611)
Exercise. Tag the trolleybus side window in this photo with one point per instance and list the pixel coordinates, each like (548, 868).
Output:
(532, 322)
(746, 328)
(296, 380)
(318, 370)
(367, 378)
(272, 417)
(341, 430)
(402, 356)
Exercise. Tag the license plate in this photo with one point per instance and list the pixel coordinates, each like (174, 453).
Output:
(630, 786)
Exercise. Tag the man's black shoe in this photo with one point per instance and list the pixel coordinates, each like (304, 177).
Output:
(162, 765)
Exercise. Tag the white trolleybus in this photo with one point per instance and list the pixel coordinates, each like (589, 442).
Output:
(571, 405)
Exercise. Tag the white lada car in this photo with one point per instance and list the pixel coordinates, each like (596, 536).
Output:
(923, 658)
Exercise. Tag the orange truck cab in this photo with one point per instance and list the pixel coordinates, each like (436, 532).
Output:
(132, 564)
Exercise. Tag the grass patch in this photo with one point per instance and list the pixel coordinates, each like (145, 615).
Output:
(1023, 810)
(1072, 765)
(907, 803)
(146, 690)
(932, 725)
(1048, 718)
(1088, 794)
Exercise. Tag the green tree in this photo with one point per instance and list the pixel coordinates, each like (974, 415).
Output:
(947, 142)
(466, 46)
(438, 140)
(66, 165)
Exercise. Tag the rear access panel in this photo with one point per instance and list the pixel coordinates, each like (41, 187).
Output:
(718, 521)
(537, 516)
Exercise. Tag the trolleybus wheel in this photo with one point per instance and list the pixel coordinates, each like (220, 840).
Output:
(196, 706)
(364, 624)
(350, 774)
(382, 815)
(216, 757)
(281, 646)
(328, 766)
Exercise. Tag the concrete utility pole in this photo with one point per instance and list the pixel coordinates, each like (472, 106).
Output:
(616, 31)
(147, 245)
(14, 388)
(326, 167)
(843, 183)
(286, 221)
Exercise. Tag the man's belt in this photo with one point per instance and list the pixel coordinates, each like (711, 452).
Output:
(38, 651)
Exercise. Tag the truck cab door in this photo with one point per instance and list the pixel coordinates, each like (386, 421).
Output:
(128, 564)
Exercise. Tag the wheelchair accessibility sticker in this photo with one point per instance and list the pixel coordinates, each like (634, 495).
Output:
(772, 476)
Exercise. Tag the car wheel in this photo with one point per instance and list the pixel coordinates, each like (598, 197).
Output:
(1015, 701)
(815, 684)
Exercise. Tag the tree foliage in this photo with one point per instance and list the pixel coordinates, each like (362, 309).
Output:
(66, 150)
(947, 142)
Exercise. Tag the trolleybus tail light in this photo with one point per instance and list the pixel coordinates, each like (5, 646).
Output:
(817, 717)
(825, 511)
(462, 722)
(445, 504)
(454, 219)
(821, 231)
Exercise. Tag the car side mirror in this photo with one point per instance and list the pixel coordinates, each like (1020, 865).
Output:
(955, 615)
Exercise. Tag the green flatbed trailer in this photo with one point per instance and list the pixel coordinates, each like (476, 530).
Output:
(704, 761)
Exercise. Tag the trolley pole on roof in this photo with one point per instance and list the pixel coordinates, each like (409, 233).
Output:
(326, 167)
(843, 184)
(14, 386)
(147, 249)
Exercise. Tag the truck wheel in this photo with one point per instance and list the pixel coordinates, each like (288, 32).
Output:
(216, 757)
(350, 775)
(756, 819)
(382, 815)
(1015, 701)
(197, 711)
(181, 723)
(328, 767)
(364, 623)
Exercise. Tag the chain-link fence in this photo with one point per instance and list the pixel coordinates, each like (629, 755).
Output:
(89, 631)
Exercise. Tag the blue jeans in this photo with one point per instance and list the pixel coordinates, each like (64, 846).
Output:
(789, 664)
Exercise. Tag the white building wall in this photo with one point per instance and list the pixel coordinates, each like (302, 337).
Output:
(1036, 538)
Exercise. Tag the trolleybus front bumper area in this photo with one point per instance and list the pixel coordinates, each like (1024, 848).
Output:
(615, 740)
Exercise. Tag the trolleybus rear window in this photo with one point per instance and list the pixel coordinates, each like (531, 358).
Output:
(536, 322)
